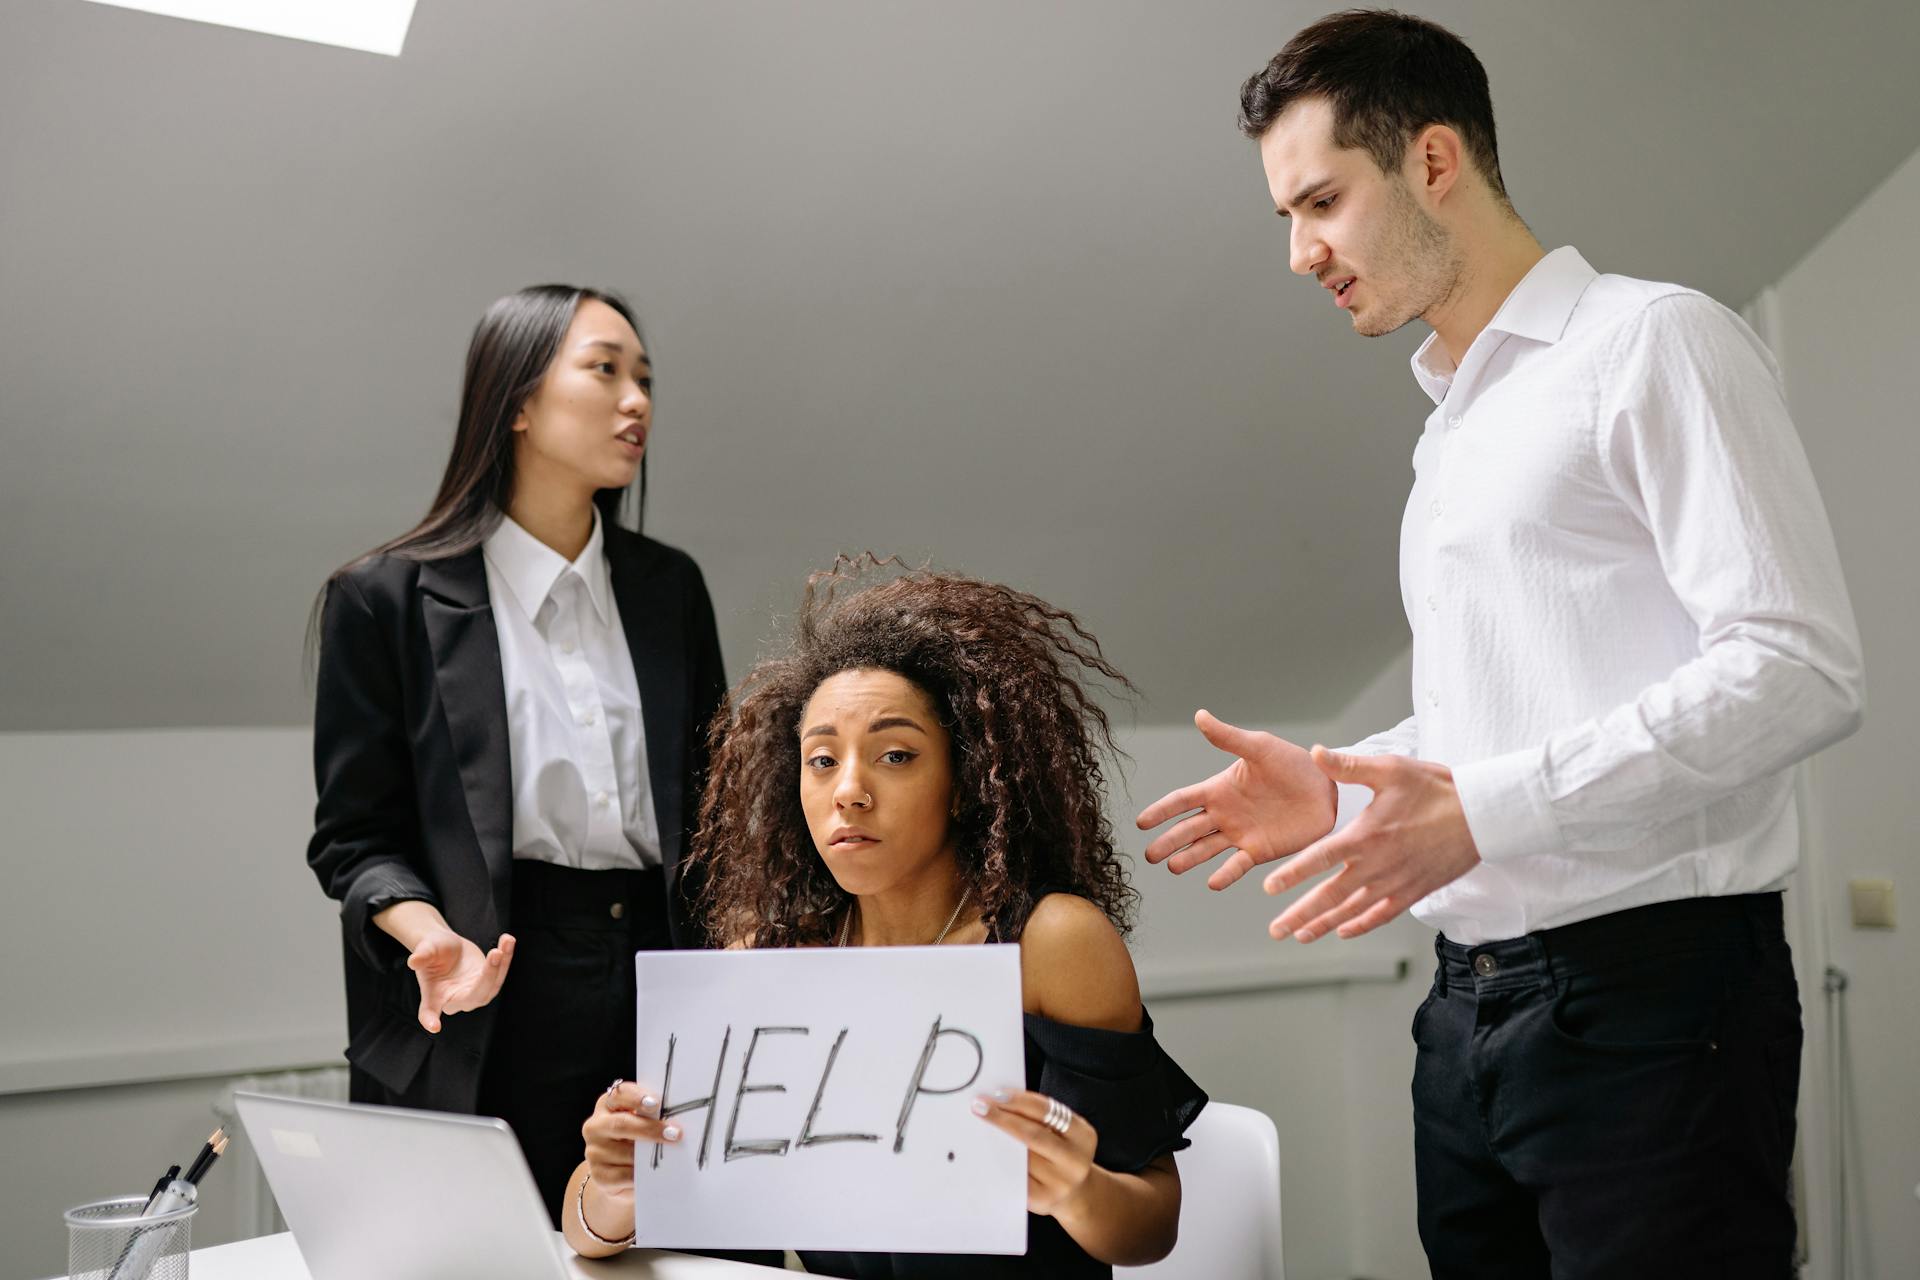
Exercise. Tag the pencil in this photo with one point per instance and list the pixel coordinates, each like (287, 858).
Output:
(202, 1168)
(206, 1154)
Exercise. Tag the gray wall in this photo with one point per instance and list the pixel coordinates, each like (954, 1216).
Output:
(1847, 337)
(115, 1055)
(993, 282)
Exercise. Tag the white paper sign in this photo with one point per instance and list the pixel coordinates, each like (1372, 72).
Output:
(824, 1097)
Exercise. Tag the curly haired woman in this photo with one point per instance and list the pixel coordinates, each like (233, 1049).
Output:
(923, 766)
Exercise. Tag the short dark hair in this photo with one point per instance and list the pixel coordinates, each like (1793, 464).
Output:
(1388, 75)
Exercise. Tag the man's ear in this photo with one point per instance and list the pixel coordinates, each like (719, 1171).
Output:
(1435, 160)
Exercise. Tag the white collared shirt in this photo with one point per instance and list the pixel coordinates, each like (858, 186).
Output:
(581, 796)
(1628, 616)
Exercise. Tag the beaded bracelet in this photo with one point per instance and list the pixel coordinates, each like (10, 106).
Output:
(580, 1212)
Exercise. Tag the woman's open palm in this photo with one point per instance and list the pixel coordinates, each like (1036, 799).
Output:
(455, 975)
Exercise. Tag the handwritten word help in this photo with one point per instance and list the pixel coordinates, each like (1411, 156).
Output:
(734, 1147)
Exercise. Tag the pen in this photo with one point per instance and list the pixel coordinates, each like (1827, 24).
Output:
(143, 1250)
(174, 1193)
(173, 1171)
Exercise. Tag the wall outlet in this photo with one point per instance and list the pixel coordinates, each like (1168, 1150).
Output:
(1872, 903)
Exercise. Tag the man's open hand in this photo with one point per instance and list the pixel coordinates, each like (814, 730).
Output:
(1267, 804)
(1411, 840)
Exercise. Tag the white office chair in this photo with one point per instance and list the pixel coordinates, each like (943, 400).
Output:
(1229, 1201)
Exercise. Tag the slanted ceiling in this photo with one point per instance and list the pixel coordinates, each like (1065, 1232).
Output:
(995, 283)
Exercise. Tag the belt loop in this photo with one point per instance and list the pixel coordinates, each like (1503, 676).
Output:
(1440, 965)
(1759, 910)
(1543, 956)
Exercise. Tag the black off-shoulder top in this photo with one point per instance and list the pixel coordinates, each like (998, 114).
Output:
(1136, 1097)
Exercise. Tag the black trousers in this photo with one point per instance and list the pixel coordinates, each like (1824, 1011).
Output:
(1613, 1098)
(565, 1027)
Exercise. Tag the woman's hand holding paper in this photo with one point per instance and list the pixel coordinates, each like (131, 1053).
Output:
(1059, 1165)
(600, 1191)
(625, 1115)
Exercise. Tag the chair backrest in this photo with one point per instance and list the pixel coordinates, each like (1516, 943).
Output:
(1229, 1200)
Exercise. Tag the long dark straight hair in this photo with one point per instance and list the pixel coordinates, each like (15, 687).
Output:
(512, 347)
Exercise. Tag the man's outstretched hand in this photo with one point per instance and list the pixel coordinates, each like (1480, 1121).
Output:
(1410, 841)
(1270, 802)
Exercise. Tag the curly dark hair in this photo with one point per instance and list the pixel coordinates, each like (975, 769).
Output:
(1003, 670)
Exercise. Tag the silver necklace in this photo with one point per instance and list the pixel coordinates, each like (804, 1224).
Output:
(846, 925)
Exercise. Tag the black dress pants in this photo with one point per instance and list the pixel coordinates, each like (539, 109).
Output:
(1613, 1098)
(565, 1027)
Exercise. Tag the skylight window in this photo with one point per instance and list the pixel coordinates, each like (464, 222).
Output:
(376, 26)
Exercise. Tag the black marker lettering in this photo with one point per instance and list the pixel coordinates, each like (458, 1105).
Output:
(808, 1137)
(914, 1090)
(759, 1146)
(665, 1084)
(692, 1104)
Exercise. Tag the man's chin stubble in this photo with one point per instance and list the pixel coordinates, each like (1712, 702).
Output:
(1373, 329)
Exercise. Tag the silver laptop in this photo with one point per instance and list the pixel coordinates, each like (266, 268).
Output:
(383, 1193)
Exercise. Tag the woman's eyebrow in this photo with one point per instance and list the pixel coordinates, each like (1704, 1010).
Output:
(894, 722)
(615, 347)
(820, 731)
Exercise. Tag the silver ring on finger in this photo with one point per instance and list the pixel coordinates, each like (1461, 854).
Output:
(615, 1086)
(1059, 1117)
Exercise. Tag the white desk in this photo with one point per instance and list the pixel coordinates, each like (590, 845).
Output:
(277, 1258)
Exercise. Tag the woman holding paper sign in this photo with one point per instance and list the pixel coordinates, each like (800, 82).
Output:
(507, 735)
(924, 767)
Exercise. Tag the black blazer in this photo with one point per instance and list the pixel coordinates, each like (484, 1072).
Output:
(414, 783)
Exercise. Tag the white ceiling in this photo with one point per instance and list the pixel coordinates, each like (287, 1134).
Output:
(995, 283)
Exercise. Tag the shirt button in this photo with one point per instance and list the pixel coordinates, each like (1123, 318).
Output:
(1485, 965)
(1436, 508)
(617, 910)
(1433, 697)
(1453, 423)
(586, 717)
(1432, 603)
(566, 646)
(601, 800)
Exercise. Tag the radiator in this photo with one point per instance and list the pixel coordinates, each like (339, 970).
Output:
(255, 1213)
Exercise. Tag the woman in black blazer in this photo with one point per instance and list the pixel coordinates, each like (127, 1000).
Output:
(508, 735)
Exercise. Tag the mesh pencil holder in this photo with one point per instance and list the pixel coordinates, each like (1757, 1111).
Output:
(109, 1240)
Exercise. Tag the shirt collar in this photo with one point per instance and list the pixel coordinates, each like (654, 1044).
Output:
(531, 568)
(1538, 308)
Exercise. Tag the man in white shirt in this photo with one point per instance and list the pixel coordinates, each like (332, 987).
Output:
(1628, 625)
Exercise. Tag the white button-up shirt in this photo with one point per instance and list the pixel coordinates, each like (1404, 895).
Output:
(581, 796)
(1628, 616)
